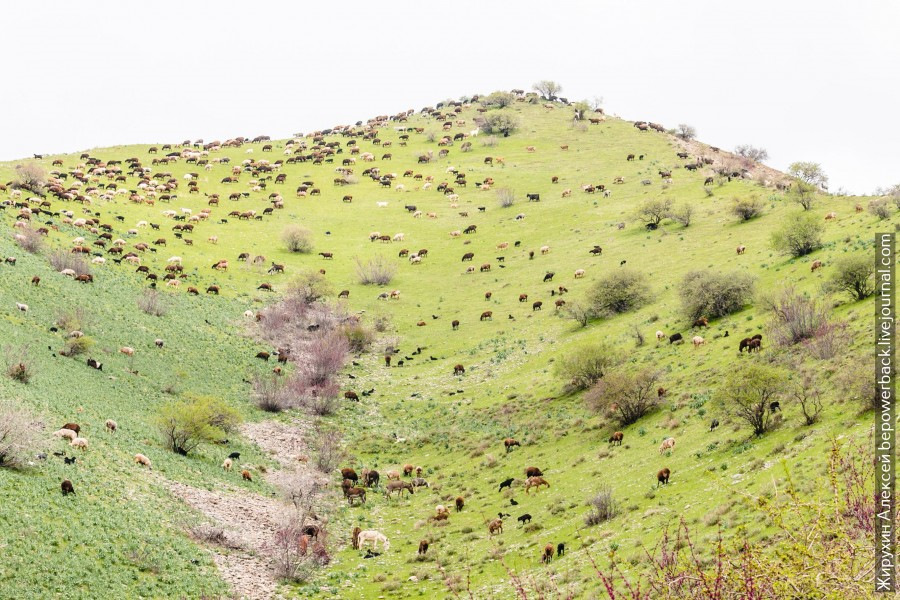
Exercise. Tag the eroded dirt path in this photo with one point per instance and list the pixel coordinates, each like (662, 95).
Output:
(251, 520)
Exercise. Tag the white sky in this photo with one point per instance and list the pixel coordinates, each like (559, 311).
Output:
(807, 80)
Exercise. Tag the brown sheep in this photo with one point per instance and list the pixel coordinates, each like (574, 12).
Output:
(143, 460)
(667, 444)
(487, 316)
(537, 305)
(245, 474)
(354, 538)
(111, 425)
(535, 482)
(460, 503)
(548, 554)
(701, 322)
(459, 370)
(662, 477)
(407, 470)
(67, 487)
(741, 249)
(817, 264)
(533, 472)
(616, 438)
(509, 443)
(495, 526)
(73, 426)
(455, 324)
(423, 546)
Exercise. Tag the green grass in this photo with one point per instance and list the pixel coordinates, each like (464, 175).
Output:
(509, 389)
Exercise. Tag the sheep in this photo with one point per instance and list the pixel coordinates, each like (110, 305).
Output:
(547, 556)
(545, 249)
(667, 444)
(460, 503)
(159, 343)
(66, 433)
(660, 336)
(67, 487)
(440, 509)
(111, 425)
(143, 460)
(226, 465)
(662, 477)
(245, 474)
(495, 526)
(79, 442)
(22, 307)
(98, 260)
(127, 350)
(697, 341)
(579, 273)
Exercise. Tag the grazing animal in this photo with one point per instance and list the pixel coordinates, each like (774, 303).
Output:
(398, 486)
(508, 443)
(354, 538)
(533, 472)
(714, 424)
(67, 487)
(675, 338)
(535, 482)
(486, 316)
(616, 438)
(423, 546)
(547, 556)
(526, 518)
(454, 324)
(143, 460)
(79, 442)
(111, 425)
(35, 280)
(245, 474)
(407, 470)
(495, 526)
(370, 535)
(774, 406)
(697, 341)
(662, 477)
(72, 426)
(741, 249)
(701, 322)
(419, 482)
(460, 503)
(371, 478)
(549, 277)
(667, 444)
(226, 464)
(66, 433)
(755, 344)
(660, 336)
(831, 216)
(506, 483)
(350, 474)
(22, 307)
(816, 264)
(459, 370)
(579, 273)
(234, 455)
(355, 492)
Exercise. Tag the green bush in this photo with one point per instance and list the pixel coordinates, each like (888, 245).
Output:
(297, 238)
(621, 291)
(714, 294)
(586, 365)
(800, 235)
(747, 208)
(854, 275)
(186, 424)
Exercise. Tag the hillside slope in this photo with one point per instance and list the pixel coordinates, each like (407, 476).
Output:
(125, 532)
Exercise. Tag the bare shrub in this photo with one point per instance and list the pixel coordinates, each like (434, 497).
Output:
(359, 337)
(881, 208)
(77, 346)
(747, 208)
(579, 312)
(296, 555)
(489, 141)
(795, 317)
(686, 132)
(309, 286)
(297, 238)
(152, 303)
(269, 393)
(19, 435)
(61, 260)
(829, 341)
(377, 270)
(683, 214)
(856, 383)
(806, 394)
(72, 318)
(29, 240)
(19, 367)
(506, 197)
(31, 177)
(714, 294)
(603, 507)
(327, 449)
(627, 394)
(751, 152)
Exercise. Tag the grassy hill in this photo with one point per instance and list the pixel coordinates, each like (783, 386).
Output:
(125, 533)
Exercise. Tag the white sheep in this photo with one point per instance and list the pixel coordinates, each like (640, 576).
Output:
(98, 260)
(227, 464)
(79, 442)
(22, 307)
(143, 460)
(66, 433)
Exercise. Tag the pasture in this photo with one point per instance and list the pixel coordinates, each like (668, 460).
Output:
(124, 533)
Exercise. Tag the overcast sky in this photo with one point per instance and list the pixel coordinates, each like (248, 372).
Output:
(807, 80)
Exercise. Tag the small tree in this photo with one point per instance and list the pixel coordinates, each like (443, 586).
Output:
(375, 271)
(620, 291)
(800, 235)
(881, 208)
(683, 214)
(803, 194)
(714, 294)
(309, 286)
(628, 394)
(854, 275)
(686, 132)
(751, 152)
(795, 317)
(184, 425)
(152, 303)
(581, 109)
(19, 366)
(499, 122)
(809, 172)
(297, 238)
(586, 365)
(579, 312)
(31, 177)
(498, 99)
(327, 449)
(805, 393)
(748, 392)
(652, 212)
(19, 435)
(548, 89)
(747, 208)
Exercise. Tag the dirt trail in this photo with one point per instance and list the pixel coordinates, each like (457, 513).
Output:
(250, 520)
